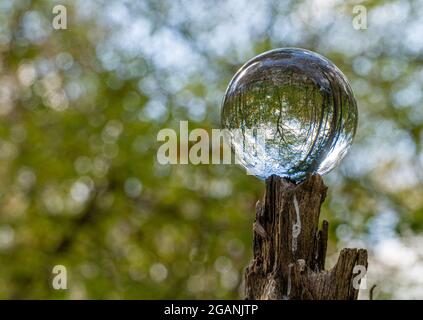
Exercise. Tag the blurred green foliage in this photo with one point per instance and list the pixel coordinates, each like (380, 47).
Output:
(80, 110)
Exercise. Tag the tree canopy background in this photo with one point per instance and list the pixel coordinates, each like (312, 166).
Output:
(80, 110)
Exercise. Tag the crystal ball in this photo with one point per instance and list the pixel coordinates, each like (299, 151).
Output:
(289, 112)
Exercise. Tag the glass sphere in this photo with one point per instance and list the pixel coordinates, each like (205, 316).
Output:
(289, 112)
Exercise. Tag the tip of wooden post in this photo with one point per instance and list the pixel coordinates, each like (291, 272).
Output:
(313, 180)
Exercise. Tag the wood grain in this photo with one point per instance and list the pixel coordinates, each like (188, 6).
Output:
(289, 250)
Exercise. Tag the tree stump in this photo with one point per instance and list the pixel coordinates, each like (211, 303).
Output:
(290, 251)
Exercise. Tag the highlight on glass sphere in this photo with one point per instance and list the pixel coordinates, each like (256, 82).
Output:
(289, 112)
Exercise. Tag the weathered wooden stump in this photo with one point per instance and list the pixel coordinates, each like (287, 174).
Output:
(290, 251)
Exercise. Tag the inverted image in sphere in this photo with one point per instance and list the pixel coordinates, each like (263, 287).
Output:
(289, 112)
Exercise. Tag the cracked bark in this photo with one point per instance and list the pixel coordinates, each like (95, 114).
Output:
(290, 250)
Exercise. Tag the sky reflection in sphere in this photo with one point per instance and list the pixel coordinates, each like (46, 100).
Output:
(289, 112)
